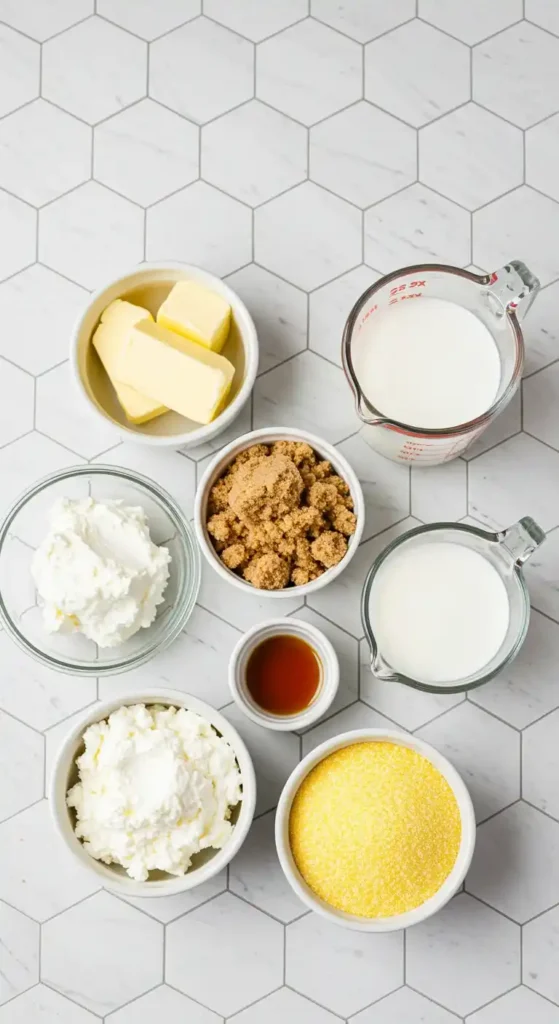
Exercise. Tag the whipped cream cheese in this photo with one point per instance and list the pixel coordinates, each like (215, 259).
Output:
(156, 786)
(98, 572)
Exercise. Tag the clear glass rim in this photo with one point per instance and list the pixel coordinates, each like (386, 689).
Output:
(408, 428)
(416, 684)
(189, 584)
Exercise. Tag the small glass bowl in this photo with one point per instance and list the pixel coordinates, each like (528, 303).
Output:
(25, 526)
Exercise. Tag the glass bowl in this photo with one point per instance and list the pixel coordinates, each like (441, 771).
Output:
(26, 525)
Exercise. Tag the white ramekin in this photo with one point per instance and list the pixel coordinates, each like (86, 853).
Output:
(449, 886)
(170, 430)
(112, 876)
(217, 467)
(328, 686)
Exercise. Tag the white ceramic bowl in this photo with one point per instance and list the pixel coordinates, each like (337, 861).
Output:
(148, 286)
(329, 681)
(217, 467)
(449, 886)
(206, 864)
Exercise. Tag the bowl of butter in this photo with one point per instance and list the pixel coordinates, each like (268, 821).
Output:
(168, 354)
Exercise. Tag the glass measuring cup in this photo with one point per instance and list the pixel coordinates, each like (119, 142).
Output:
(499, 300)
(506, 551)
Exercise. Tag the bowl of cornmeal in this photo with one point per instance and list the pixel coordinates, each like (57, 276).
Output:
(375, 830)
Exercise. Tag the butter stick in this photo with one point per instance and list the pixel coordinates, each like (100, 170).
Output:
(108, 340)
(196, 312)
(174, 371)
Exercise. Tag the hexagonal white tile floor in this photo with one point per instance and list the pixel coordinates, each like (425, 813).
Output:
(20, 953)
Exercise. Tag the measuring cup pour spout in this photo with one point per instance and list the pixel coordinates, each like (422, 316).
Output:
(522, 539)
(381, 669)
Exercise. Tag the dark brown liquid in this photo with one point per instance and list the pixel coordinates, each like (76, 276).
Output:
(283, 675)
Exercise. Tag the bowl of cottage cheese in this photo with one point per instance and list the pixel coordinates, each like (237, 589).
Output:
(99, 570)
(155, 792)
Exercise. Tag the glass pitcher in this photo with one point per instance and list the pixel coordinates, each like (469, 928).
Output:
(506, 551)
(500, 300)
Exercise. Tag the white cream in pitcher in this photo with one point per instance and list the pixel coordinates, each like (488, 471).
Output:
(431, 364)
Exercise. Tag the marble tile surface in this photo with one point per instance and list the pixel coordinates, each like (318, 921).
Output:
(299, 148)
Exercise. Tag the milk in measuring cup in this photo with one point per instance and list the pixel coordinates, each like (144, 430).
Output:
(439, 611)
(428, 364)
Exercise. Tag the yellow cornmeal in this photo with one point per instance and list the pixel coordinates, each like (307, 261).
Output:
(375, 829)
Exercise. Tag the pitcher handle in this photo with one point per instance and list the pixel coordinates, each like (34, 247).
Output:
(514, 287)
(522, 539)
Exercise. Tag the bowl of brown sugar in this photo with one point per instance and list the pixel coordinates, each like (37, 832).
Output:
(279, 511)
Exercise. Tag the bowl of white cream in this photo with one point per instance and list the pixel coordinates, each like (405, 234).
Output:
(99, 570)
(154, 792)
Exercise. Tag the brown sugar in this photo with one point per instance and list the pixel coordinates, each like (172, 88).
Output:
(279, 516)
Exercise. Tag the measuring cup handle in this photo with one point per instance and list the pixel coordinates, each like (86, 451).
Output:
(522, 539)
(514, 287)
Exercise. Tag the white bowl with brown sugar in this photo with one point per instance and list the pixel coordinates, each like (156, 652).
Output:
(333, 533)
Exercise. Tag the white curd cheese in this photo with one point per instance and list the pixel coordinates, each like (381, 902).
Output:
(156, 787)
(98, 572)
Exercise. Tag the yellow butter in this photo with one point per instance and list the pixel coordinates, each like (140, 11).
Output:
(116, 321)
(195, 312)
(175, 371)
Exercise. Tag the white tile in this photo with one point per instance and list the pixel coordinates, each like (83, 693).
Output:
(256, 875)
(253, 19)
(307, 236)
(38, 695)
(417, 73)
(279, 312)
(542, 157)
(507, 424)
(475, 22)
(18, 222)
(485, 751)
(344, 154)
(439, 493)
(471, 156)
(285, 1005)
(464, 956)
(39, 308)
(386, 485)
(168, 908)
(358, 716)
(308, 71)
(73, 78)
(147, 19)
(173, 472)
(30, 165)
(347, 650)
(408, 707)
(274, 754)
(146, 152)
(540, 950)
(541, 573)
(201, 52)
(21, 758)
(62, 415)
(203, 453)
(405, 1007)
(517, 477)
(515, 74)
(541, 335)
(329, 308)
(45, 885)
(519, 1005)
(163, 1004)
(43, 1006)
(523, 221)
(526, 689)
(91, 235)
(195, 663)
(253, 153)
(300, 392)
(16, 580)
(219, 229)
(416, 226)
(200, 950)
(19, 70)
(245, 610)
(118, 955)
(541, 395)
(340, 601)
(44, 19)
(362, 21)
(19, 953)
(516, 862)
(355, 968)
(544, 14)
(540, 764)
(17, 391)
